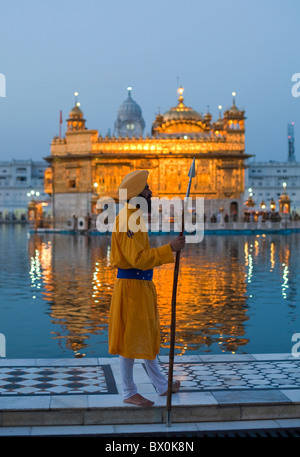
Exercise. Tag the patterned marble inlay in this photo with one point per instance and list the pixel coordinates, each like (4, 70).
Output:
(275, 374)
(56, 380)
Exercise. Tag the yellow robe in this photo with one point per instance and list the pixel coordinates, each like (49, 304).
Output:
(134, 329)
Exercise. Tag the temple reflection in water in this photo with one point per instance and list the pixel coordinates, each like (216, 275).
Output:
(218, 278)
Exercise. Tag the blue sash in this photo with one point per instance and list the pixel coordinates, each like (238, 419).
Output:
(134, 273)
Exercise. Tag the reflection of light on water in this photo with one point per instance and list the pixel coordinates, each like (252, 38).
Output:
(212, 308)
(250, 269)
(248, 261)
(45, 254)
(96, 282)
(285, 280)
(40, 267)
(272, 256)
(99, 284)
(108, 255)
(77, 282)
(246, 253)
(35, 272)
(256, 246)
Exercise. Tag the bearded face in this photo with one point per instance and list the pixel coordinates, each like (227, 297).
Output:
(147, 194)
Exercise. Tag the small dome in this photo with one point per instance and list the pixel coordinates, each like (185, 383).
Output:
(219, 124)
(234, 112)
(76, 121)
(284, 197)
(129, 108)
(207, 118)
(158, 119)
(75, 112)
(129, 121)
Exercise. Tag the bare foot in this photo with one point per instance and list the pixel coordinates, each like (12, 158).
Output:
(175, 388)
(139, 400)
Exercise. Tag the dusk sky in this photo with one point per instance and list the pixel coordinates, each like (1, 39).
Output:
(51, 49)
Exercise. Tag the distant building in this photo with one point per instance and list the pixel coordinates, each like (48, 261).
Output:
(20, 182)
(267, 181)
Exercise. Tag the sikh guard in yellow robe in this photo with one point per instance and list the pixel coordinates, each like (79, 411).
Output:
(134, 329)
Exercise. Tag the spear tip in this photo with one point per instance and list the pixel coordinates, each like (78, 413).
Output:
(192, 172)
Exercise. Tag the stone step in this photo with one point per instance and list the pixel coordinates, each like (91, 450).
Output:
(64, 415)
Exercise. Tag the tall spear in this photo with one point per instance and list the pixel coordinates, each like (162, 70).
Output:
(191, 175)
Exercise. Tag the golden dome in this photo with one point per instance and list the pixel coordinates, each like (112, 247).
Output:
(181, 112)
(180, 120)
(207, 118)
(219, 124)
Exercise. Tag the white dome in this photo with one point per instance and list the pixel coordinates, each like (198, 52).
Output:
(130, 115)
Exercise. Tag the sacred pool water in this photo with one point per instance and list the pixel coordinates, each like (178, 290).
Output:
(236, 293)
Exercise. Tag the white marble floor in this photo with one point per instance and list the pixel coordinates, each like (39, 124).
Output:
(208, 380)
(197, 374)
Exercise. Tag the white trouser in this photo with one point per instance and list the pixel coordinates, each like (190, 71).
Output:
(156, 377)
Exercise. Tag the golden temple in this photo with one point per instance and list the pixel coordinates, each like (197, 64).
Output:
(85, 166)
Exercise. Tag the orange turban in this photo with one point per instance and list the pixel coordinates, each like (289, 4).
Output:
(135, 182)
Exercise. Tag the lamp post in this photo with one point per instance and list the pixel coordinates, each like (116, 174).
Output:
(272, 205)
(284, 204)
(33, 194)
(32, 206)
(249, 203)
(263, 207)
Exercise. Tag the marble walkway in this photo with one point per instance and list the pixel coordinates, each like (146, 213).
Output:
(227, 388)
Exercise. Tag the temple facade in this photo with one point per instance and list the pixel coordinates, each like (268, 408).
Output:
(84, 166)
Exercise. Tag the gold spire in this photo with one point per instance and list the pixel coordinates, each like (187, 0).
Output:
(233, 95)
(180, 91)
